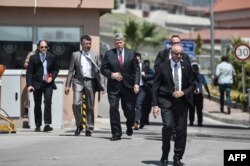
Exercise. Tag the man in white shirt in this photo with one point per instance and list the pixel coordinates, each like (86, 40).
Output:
(225, 72)
(85, 75)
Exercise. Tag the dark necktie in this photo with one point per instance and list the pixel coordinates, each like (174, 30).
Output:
(120, 59)
(176, 78)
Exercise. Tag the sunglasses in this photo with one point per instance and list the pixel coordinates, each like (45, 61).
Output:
(173, 43)
(177, 53)
(42, 47)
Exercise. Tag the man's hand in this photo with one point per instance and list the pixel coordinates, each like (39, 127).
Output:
(155, 111)
(30, 89)
(49, 80)
(178, 94)
(66, 91)
(117, 76)
(136, 88)
(143, 73)
(208, 96)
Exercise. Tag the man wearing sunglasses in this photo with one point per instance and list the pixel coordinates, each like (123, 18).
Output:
(42, 70)
(172, 87)
(165, 54)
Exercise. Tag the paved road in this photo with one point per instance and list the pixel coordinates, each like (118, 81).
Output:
(205, 145)
(60, 147)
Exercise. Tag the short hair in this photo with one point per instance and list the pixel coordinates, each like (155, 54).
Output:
(224, 58)
(86, 37)
(146, 61)
(195, 66)
(137, 54)
(40, 41)
(118, 36)
(173, 36)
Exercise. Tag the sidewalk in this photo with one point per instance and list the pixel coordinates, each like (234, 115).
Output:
(211, 109)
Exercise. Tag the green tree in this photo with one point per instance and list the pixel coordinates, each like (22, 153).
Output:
(116, 4)
(140, 34)
(238, 67)
(198, 43)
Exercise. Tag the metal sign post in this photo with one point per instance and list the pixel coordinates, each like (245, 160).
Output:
(242, 53)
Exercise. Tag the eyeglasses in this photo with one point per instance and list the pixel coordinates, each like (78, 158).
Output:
(177, 53)
(173, 43)
(42, 47)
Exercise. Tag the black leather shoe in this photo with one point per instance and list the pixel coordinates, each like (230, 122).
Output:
(47, 128)
(78, 130)
(129, 131)
(38, 129)
(178, 163)
(115, 138)
(141, 126)
(164, 162)
(88, 133)
(200, 125)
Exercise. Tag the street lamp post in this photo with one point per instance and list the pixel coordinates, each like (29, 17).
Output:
(212, 35)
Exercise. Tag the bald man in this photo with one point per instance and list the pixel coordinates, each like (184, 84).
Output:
(173, 85)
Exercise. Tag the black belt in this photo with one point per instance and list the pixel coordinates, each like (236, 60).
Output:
(88, 79)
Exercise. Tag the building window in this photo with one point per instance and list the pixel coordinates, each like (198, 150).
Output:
(15, 43)
(62, 42)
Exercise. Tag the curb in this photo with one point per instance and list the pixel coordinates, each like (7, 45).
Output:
(245, 123)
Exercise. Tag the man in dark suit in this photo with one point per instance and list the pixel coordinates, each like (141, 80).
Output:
(172, 88)
(42, 70)
(85, 75)
(123, 73)
(165, 54)
(147, 76)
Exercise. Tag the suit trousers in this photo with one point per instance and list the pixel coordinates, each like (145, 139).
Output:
(127, 97)
(175, 115)
(139, 101)
(198, 106)
(89, 86)
(47, 90)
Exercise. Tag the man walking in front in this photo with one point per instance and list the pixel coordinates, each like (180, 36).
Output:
(123, 73)
(173, 85)
(85, 75)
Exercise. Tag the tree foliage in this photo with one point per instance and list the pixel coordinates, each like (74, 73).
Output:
(198, 48)
(238, 67)
(140, 34)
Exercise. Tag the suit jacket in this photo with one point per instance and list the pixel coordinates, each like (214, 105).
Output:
(130, 71)
(34, 74)
(163, 86)
(76, 75)
(164, 56)
(148, 79)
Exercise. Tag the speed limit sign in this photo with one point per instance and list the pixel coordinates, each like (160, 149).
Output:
(242, 52)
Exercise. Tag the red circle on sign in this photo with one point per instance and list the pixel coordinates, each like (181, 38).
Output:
(237, 48)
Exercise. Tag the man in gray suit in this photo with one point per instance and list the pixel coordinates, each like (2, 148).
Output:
(85, 75)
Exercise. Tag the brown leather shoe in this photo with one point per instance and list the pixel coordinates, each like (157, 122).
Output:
(136, 126)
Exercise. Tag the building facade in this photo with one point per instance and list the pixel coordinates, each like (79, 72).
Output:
(62, 22)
